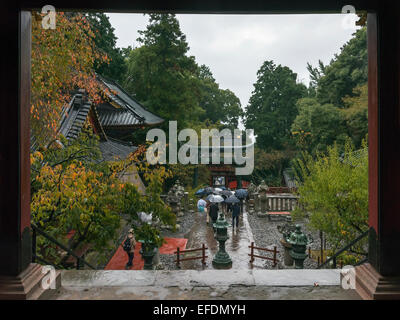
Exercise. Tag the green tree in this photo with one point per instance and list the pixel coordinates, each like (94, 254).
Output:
(151, 203)
(346, 71)
(318, 126)
(161, 75)
(220, 106)
(72, 190)
(272, 106)
(268, 166)
(105, 41)
(334, 193)
(356, 114)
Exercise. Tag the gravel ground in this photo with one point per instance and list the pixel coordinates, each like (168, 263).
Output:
(185, 222)
(168, 261)
(266, 235)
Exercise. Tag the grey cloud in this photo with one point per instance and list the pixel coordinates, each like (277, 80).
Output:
(235, 46)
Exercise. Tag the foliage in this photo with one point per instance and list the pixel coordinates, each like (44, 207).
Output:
(170, 83)
(318, 126)
(268, 166)
(221, 106)
(356, 114)
(62, 61)
(272, 106)
(73, 191)
(334, 193)
(185, 174)
(151, 202)
(161, 75)
(105, 40)
(345, 72)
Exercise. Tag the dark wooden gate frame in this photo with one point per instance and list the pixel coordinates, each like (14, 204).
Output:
(383, 113)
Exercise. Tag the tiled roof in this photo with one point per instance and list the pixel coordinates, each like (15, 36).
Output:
(118, 118)
(113, 149)
(120, 97)
(74, 116)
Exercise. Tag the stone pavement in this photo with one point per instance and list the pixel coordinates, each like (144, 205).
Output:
(202, 285)
(237, 245)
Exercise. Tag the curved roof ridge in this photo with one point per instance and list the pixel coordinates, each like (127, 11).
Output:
(130, 103)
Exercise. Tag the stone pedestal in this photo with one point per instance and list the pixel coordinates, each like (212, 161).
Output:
(370, 285)
(27, 285)
(263, 202)
(287, 259)
(156, 258)
(257, 206)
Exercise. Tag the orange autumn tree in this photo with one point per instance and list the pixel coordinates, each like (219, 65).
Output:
(69, 189)
(62, 61)
(76, 197)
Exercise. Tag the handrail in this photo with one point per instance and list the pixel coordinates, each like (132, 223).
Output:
(345, 248)
(69, 251)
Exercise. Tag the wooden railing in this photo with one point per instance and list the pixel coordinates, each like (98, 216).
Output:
(252, 255)
(179, 252)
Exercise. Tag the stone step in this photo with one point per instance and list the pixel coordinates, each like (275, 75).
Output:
(27, 285)
(195, 278)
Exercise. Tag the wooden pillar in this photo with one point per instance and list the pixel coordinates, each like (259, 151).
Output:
(15, 243)
(380, 278)
(19, 278)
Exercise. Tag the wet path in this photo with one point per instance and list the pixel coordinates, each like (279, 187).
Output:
(237, 245)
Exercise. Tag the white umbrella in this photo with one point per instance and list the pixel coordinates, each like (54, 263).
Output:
(217, 190)
(145, 217)
(216, 199)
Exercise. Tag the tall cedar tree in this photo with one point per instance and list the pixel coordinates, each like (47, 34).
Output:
(345, 72)
(272, 106)
(161, 75)
(105, 40)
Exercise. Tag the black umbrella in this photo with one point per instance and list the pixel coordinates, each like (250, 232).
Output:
(241, 193)
(226, 193)
(232, 199)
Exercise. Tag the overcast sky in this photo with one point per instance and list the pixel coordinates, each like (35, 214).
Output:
(235, 46)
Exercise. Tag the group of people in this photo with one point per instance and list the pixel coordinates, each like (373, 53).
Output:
(211, 211)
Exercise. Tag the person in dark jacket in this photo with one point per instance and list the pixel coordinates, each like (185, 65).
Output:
(128, 245)
(235, 215)
(213, 212)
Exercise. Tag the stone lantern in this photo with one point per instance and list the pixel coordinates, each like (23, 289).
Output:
(299, 242)
(286, 230)
(221, 260)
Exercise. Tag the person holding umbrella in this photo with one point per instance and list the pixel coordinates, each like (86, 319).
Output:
(235, 215)
(214, 199)
(201, 206)
(235, 203)
(241, 194)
